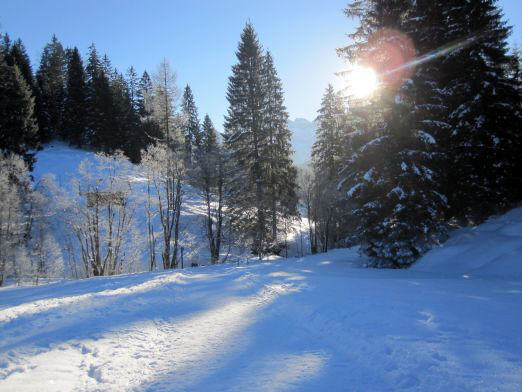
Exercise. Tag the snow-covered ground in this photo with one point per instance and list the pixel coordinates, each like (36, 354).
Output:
(451, 323)
(62, 162)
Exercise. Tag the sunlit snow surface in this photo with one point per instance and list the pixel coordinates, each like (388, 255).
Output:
(315, 323)
(319, 323)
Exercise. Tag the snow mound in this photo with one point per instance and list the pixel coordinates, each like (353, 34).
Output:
(492, 249)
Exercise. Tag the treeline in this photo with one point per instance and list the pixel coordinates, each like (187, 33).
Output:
(89, 105)
(438, 145)
(245, 176)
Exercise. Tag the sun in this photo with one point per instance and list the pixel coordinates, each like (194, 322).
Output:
(361, 82)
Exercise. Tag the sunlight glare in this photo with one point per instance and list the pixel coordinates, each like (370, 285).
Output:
(362, 82)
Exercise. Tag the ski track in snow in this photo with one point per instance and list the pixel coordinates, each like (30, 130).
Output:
(315, 323)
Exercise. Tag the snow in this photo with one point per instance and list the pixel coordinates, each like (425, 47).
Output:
(426, 137)
(452, 322)
(323, 322)
(493, 249)
(368, 176)
(63, 162)
(353, 189)
(399, 192)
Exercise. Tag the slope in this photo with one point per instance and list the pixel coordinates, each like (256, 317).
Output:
(62, 162)
(313, 323)
(493, 249)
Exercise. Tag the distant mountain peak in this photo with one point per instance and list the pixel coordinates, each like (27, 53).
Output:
(303, 137)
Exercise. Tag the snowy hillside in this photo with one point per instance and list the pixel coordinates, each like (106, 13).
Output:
(63, 162)
(307, 324)
(303, 137)
(493, 249)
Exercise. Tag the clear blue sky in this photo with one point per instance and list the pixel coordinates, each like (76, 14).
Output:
(200, 37)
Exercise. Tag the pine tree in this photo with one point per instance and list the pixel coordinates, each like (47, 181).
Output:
(484, 142)
(100, 103)
(144, 97)
(133, 86)
(150, 132)
(209, 138)
(5, 46)
(18, 55)
(211, 180)
(191, 129)
(75, 119)
(246, 142)
(390, 175)
(281, 174)
(18, 128)
(327, 150)
(128, 134)
(50, 87)
(326, 157)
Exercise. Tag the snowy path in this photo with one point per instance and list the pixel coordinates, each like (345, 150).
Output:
(307, 324)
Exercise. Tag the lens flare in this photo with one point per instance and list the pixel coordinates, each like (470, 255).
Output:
(361, 82)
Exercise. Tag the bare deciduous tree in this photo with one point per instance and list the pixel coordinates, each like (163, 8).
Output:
(164, 172)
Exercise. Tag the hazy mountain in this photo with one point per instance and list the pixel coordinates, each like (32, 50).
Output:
(303, 137)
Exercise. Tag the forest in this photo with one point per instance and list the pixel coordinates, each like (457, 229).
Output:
(433, 147)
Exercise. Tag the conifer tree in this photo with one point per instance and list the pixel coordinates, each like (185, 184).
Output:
(246, 142)
(191, 129)
(327, 150)
(50, 87)
(149, 127)
(133, 87)
(125, 122)
(18, 56)
(75, 119)
(5, 46)
(484, 142)
(144, 96)
(326, 157)
(281, 174)
(211, 180)
(99, 101)
(18, 128)
(390, 177)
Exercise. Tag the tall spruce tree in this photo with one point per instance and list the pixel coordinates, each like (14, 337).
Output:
(326, 158)
(125, 120)
(50, 87)
(18, 56)
(99, 101)
(390, 177)
(191, 130)
(18, 127)
(328, 148)
(210, 178)
(484, 142)
(246, 141)
(75, 119)
(279, 169)
(445, 133)
(144, 95)
(133, 85)
(150, 132)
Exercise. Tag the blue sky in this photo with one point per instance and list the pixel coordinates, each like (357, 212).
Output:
(200, 38)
